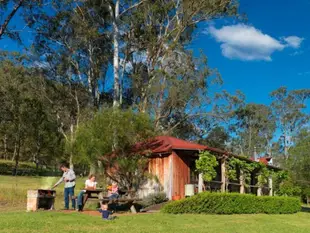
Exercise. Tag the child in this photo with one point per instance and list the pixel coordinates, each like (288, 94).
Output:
(90, 184)
(105, 212)
(113, 191)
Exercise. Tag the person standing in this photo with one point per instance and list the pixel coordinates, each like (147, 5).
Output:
(69, 178)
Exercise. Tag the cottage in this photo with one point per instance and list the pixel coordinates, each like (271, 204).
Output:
(172, 161)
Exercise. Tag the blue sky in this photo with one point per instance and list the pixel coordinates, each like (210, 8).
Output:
(269, 50)
(288, 65)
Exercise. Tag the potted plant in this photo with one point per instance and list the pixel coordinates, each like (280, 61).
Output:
(176, 197)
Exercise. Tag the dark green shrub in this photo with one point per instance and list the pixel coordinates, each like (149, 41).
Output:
(233, 203)
(154, 198)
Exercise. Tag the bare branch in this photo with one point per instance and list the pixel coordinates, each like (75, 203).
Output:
(130, 8)
(4, 26)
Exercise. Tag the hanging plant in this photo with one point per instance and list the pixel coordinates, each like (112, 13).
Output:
(263, 174)
(206, 165)
(247, 168)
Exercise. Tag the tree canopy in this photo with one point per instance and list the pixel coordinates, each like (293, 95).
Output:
(88, 56)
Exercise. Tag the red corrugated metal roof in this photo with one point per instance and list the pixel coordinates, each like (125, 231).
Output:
(179, 144)
(165, 144)
(264, 160)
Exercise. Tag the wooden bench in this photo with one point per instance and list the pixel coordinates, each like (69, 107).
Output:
(130, 201)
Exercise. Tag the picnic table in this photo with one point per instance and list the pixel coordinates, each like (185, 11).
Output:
(94, 194)
(89, 195)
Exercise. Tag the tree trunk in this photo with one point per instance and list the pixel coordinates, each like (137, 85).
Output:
(5, 146)
(224, 186)
(116, 96)
(100, 167)
(93, 168)
(92, 78)
(250, 141)
(36, 154)
(17, 154)
(270, 185)
(16, 160)
(242, 182)
(15, 150)
(200, 183)
(71, 145)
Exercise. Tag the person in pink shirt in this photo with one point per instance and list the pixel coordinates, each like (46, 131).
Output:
(113, 193)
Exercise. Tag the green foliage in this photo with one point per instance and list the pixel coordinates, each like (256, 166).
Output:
(262, 172)
(289, 108)
(298, 161)
(28, 123)
(154, 198)
(77, 44)
(109, 130)
(110, 137)
(233, 203)
(206, 165)
(254, 125)
(288, 188)
(173, 84)
(24, 169)
(217, 138)
(280, 176)
(284, 185)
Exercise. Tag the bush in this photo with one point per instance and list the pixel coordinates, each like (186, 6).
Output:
(233, 203)
(289, 188)
(154, 198)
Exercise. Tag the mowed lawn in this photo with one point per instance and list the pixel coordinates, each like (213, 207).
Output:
(48, 222)
(14, 219)
(13, 190)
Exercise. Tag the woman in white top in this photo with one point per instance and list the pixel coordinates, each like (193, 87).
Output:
(90, 184)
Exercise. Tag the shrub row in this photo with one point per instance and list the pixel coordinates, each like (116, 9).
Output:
(233, 203)
(24, 169)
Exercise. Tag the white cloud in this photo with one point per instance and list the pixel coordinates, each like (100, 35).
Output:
(247, 43)
(306, 73)
(297, 53)
(293, 41)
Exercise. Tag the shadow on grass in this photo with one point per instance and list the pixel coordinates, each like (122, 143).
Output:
(305, 209)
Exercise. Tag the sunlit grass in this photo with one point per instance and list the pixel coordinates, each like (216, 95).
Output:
(13, 190)
(48, 222)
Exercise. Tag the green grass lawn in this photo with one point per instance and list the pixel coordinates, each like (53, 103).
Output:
(13, 190)
(13, 218)
(48, 222)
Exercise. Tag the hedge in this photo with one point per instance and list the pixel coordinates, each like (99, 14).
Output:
(24, 169)
(233, 203)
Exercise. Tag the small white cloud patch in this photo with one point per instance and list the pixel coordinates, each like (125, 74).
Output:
(247, 43)
(293, 41)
